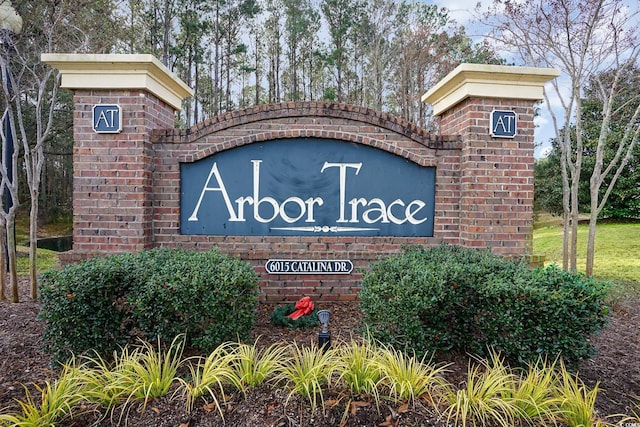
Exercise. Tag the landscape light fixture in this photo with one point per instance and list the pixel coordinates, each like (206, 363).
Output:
(324, 337)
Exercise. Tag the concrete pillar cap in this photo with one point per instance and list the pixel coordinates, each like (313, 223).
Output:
(115, 71)
(488, 81)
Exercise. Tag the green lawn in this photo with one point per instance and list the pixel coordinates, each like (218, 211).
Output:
(617, 254)
(617, 249)
(46, 260)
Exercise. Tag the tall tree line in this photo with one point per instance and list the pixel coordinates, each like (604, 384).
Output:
(381, 54)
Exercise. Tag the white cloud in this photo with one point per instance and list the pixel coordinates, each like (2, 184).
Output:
(542, 152)
(543, 132)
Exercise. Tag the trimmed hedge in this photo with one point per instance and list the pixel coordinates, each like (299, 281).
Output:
(453, 298)
(104, 303)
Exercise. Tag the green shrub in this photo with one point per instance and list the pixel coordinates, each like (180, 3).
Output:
(452, 298)
(83, 305)
(98, 304)
(541, 312)
(423, 299)
(207, 296)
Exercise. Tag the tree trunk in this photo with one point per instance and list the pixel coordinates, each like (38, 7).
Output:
(11, 244)
(629, 140)
(196, 95)
(227, 90)
(566, 209)
(166, 21)
(33, 246)
(591, 242)
(575, 183)
(9, 213)
(3, 260)
(573, 243)
(257, 69)
(216, 63)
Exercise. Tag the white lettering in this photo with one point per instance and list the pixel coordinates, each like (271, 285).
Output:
(108, 121)
(343, 181)
(241, 201)
(310, 202)
(293, 209)
(390, 214)
(354, 208)
(293, 266)
(409, 213)
(296, 200)
(256, 196)
(382, 213)
(341, 266)
(221, 189)
(506, 123)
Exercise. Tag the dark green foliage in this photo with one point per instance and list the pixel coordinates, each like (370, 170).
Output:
(541, 312)
(450, 298)
(208, 296)
(623, 202)
(279, 318)
(83, 305)
(99, 304)
(548, 185)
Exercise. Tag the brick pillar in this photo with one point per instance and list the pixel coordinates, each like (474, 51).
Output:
(496, 172)
(112, 187)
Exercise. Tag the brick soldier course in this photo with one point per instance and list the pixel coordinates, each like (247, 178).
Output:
(127, 185)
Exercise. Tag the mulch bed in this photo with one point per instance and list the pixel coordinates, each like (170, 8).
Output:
(616, 368)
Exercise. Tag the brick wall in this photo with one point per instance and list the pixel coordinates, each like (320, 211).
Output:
(112, 183)
(496, 180)
(127, 186)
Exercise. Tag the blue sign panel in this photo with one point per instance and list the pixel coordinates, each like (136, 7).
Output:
(107, 118)
(503, 124)
(306, 186)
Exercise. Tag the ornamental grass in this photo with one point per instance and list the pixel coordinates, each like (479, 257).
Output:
(55, 403)
(407, 378)
(306, 370)
(577, 402)
(534, 393)
(207, 376)
(252, 365)
(484, 398)
(359, 368)
(493, 393)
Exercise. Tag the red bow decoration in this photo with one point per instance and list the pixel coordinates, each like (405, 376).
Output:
(303, 307)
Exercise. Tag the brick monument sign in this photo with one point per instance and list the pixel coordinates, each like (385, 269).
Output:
(309, 193)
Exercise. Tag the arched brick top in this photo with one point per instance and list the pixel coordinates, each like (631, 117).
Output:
(305, 109)
(426, 161)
